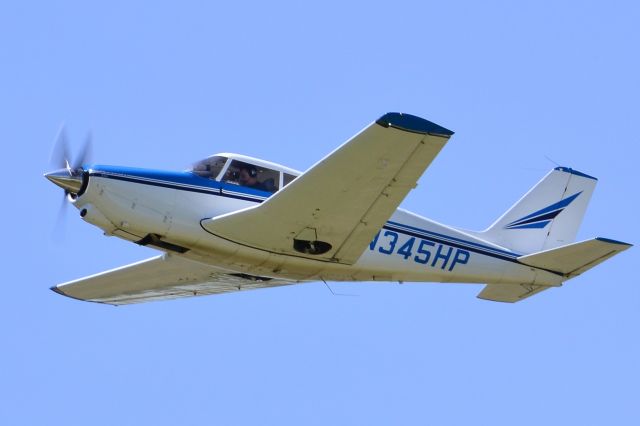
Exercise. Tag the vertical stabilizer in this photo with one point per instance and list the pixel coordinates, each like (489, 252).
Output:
(547, 216)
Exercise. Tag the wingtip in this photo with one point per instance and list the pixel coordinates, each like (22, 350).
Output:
(412, 123)
(59, 291)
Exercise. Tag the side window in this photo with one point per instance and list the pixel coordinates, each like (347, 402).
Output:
(209, 167)
(287, 178)
(252, 176)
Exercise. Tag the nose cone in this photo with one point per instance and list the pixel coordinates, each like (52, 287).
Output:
(65, 180)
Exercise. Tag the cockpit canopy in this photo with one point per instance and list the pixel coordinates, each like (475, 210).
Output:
(209, 167)
(244, 171)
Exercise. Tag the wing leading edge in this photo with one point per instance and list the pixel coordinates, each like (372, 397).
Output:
(333, 210)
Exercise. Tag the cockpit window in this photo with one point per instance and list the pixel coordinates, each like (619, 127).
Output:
(287, 178)
(252, 176)
(209, 167)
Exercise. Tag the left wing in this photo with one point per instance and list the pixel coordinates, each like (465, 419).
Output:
(333, 210)
(161, 278)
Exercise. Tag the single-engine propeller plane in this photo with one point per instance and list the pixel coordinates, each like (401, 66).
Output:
(234, 222)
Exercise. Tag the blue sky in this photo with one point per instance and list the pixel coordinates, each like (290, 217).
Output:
(161, 85)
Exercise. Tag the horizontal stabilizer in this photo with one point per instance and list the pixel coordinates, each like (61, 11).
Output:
(510, 292)
(573, 259)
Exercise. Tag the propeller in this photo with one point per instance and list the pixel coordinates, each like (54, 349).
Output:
(60, 155)
(68, 174)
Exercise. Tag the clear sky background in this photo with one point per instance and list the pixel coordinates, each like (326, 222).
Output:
(161, 85)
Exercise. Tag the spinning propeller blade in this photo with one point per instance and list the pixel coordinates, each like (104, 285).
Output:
(69, 174)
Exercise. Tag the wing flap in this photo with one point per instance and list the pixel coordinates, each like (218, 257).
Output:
(160, 278)
(344, 199)
(573, 259)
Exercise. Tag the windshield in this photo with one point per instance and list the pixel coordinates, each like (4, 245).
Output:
(209, 167)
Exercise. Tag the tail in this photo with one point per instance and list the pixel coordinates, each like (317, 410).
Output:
(547, 216)
(542, 226)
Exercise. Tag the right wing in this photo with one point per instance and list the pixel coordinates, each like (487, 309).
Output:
(160, 278)
(333, 210)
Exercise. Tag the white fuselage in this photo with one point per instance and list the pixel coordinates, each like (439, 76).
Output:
(134, 204)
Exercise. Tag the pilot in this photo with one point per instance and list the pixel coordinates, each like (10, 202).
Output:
(249, 177)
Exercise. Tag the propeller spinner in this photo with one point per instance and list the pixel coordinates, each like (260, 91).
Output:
(66, 179)
(69, 176)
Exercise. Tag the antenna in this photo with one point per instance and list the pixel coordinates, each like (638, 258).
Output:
(550, 159)
(336, 294)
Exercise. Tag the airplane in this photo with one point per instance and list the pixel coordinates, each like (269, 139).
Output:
(232, 223)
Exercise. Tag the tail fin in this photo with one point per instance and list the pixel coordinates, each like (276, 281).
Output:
(547, 216)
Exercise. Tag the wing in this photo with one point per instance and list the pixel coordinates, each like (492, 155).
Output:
(333, 210)
(160, 278)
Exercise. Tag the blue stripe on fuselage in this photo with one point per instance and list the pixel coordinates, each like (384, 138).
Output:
(451, 241)
(187, 181)
(435, 234)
